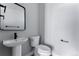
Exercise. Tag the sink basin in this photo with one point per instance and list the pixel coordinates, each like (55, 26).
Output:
(14, 42)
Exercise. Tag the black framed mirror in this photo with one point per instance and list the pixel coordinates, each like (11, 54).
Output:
(12, 17)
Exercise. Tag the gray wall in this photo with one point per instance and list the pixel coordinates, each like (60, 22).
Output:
(41, 20)
(32, 25)
(31, 29)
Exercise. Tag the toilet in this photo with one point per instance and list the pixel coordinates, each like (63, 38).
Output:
(39, 49)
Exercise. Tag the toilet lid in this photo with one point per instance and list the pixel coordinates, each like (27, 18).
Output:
(43, 49)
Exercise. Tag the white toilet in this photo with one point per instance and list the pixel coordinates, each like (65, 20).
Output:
(39, 49)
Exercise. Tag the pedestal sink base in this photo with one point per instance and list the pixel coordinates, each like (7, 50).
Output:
(16, 51)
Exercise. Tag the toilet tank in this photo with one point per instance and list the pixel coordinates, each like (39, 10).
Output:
(34, 40)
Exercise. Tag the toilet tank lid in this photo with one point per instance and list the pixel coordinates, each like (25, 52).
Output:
(35, 37)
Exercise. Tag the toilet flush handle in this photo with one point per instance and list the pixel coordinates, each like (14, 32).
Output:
(64, 41)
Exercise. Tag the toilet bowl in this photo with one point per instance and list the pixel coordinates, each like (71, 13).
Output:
(42, 50)
(39, 49)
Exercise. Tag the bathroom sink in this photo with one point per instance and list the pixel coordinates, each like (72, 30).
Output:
(14, 42)
(16, 45)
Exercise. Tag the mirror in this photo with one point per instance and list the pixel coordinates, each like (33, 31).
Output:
(12, 16)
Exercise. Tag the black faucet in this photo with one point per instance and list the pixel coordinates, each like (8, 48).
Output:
(15, 35)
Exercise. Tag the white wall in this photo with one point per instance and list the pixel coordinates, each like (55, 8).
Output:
(31, 29)
(61, 22)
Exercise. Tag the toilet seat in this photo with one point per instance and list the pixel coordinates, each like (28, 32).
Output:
(43, 50)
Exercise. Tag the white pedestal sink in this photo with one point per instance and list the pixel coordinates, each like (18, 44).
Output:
(16, 45)
(16, 51)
